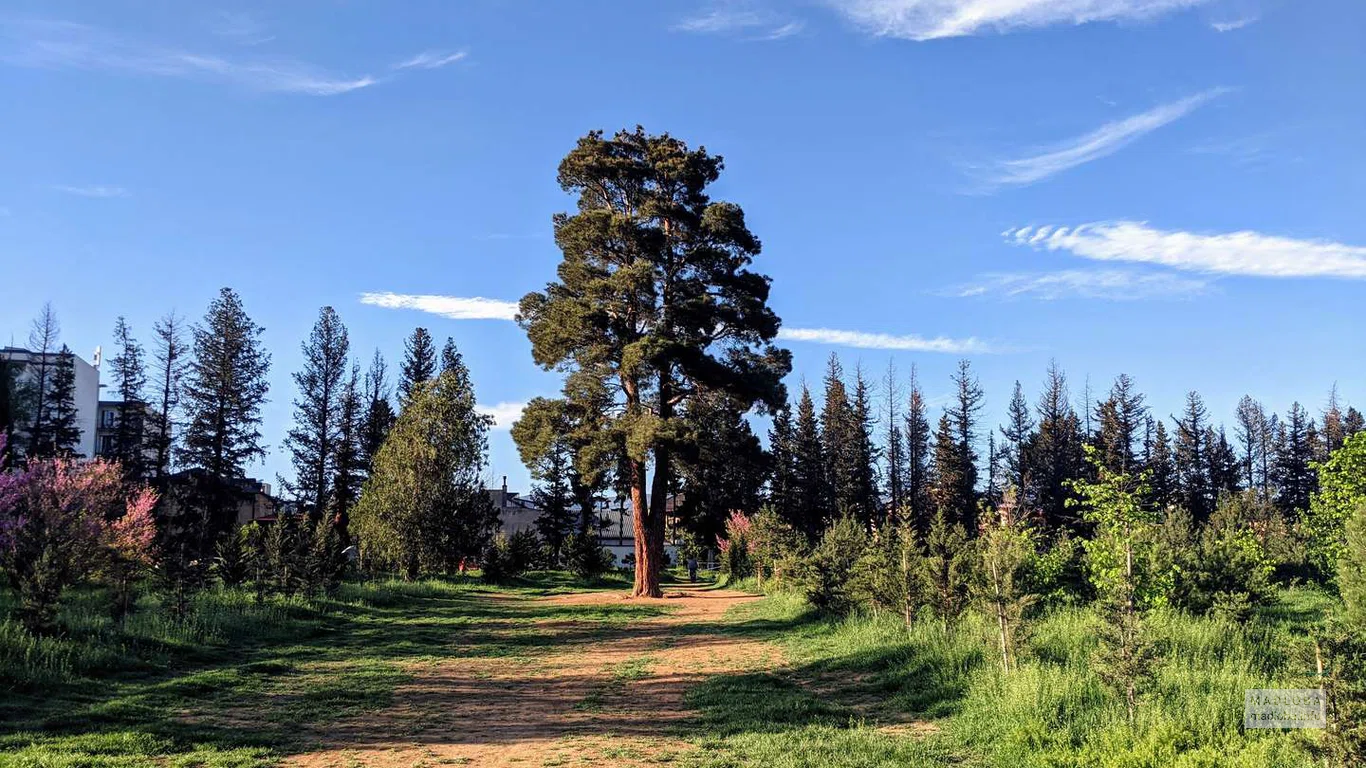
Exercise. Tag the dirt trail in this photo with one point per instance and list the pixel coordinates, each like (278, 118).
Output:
(610, 696)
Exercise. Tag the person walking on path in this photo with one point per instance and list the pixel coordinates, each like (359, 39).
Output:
(692, 569)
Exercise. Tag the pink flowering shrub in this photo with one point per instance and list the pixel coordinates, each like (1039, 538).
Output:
(736, 545)
(62, 521)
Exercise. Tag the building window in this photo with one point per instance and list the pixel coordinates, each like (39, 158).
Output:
(109, 417)
(106, 445)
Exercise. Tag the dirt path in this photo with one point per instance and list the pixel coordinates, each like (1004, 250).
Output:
(592, 697)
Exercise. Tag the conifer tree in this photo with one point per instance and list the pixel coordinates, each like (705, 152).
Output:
(1055, 454)
(450, 356)
(348, 464)
(655, 295)
(1353, 422)
(169, 353)
(1120, 417)
(840, 443)
(419, 363)
(60, 415)
(130, 379)
(864, 486)
(812, 507)
(1018, 433)
(782, 480)
(1294, 459)
(555, 498)
(894, 447)
(1334, 425)
(1005, 551)
(224, 390)
(42, 345)
(721, 466)
(1223, 463)
(314, 440)
(946, 570)
(570, 433)
(1195, 491)
(918, 457)
(1251, 432)
(378, 413)
(1161, 471)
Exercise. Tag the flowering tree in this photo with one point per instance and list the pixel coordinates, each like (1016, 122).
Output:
(62, 521)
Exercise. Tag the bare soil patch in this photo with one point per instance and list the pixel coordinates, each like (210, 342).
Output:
(608, 693)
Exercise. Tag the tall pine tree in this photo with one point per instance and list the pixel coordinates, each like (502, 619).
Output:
(130, 379)
(813, 507)
(43, 347)
(224, 390)
(378, 412)
(419, 363)
(918, 457)
(169, 354)
(318, 420)
(1195, 491)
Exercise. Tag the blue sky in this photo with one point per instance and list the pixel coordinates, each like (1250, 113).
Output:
(1167, 188)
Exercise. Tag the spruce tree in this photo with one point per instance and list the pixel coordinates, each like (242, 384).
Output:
(348, 464)
(1162, 481)
(1353, 423)
(1195, 491)
(63, 432)
(169, 354)
(1018, 433)
(419, 363)
(721, 466)
(1294, 462)
(1334, 423)
(450, 356)
(946, 570)
(918, 458)
(967, 408)
(864, 486)
(318, 420)
(840, 442)
(1120, 418)
(813, 501)
(1224, 471)
(378, 412)
(1055, 454)
(782, 480)
(130, 379)
(1250, 432)
(224, 390)
(555, 498)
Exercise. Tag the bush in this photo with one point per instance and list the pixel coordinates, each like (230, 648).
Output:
(735, 547)
(497, 566)
(828, 577)
(524, 552)
(586, 558)
(1223, 569)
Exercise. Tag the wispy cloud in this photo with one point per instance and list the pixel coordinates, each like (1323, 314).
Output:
(1234, 253)
(91, 190)
(1106, 284)
(66, 45)
(931, 19)
(1103, 141)
(239, 27)
(904, 342)
(504, 414)
(451, 307)
(731, 18)
(1229, 26)
(431, 60)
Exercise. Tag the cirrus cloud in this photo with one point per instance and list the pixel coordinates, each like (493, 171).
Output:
(931, 19)
(450, 307)
(1245, 253)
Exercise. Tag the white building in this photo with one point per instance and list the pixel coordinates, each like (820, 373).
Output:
(87, 389)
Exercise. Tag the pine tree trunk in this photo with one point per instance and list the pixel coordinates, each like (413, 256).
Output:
(647, 568)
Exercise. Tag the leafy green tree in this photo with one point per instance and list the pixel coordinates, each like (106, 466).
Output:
(225, 390)
(314, 440)
(654, 296)
(1005, 553)
(419, 363)
(423, 508)
(130, 379)
(1345, 740)
(946, 570)
(1123, 559)
(1341, 491)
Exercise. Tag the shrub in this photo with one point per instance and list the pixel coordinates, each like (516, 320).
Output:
(775, 548)
(1223, 569)
(1342, 489)
(497, 564)
(587, 559)
(828, 578)
(735, 547)
(945, 570)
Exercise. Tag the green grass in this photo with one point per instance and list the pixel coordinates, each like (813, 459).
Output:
(230, 685)
(852, 686)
